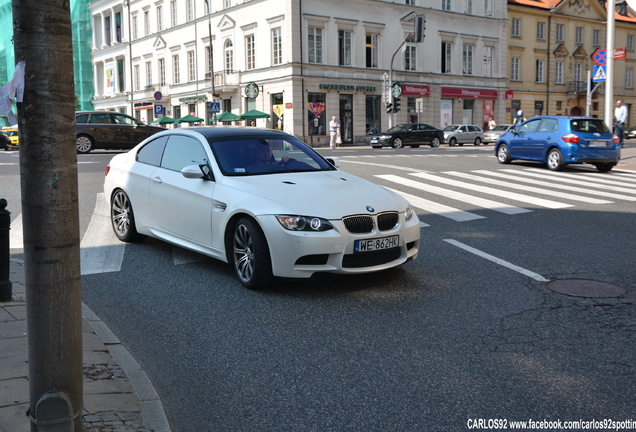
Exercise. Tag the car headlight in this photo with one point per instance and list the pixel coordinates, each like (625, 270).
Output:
(385, 137)
(304, 223)
(409, 213)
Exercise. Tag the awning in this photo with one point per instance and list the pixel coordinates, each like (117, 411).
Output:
(163, 120)
(189, 119)
(254, 114)
(227, 116)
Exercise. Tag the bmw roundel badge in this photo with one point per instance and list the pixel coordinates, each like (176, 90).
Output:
(370, 209)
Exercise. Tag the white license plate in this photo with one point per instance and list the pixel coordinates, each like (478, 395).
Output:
(597, 144)
(375, 244)
(374, 140)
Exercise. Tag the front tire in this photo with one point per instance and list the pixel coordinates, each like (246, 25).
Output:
(84, 144)
(122, 217)
(250, 254)
(452, 142)
(436, 142)
(398, 143)
(555, 160)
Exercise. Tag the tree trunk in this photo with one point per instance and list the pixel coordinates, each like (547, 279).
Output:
(48, 167)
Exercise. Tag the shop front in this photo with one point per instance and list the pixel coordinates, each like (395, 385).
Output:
(467, 106)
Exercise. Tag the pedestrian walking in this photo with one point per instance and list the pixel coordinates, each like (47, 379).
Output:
(334, 132)
(620, 120)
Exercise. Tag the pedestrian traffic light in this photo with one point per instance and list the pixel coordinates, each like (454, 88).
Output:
(396, 104)
(389, 108)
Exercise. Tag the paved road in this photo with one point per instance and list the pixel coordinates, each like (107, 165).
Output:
(454, 336)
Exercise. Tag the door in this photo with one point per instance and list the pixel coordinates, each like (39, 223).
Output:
(346, 118)
(182, 207)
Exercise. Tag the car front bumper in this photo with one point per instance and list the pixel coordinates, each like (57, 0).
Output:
(301, 254)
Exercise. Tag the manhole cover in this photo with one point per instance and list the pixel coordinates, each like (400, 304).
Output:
(585, 288)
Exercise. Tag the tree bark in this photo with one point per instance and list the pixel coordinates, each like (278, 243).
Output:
(48, 167)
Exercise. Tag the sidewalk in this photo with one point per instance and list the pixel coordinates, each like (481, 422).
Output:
(628, 156)
(118, 396)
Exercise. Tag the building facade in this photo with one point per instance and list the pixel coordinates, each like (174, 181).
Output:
(551, 46)
(302, 62)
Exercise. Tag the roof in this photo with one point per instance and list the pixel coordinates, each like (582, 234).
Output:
(552, 4)
(231, 132)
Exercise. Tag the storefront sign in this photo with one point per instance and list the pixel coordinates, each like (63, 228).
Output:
(469, 93)
(193, 98)
(416, 90)
(346, 87)
(143, 105)
(510, 94)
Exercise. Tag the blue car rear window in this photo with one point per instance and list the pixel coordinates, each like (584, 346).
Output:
(589, 125)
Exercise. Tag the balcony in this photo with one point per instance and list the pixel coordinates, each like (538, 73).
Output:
(580, 88)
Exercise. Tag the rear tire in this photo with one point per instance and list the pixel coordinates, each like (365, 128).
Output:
(555, 160)
(122, 217)
(604, 167)
(477, 141)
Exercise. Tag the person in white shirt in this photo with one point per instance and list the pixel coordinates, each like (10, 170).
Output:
(334, 132)
(620, 120)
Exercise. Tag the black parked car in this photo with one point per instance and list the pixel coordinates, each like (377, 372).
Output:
(413, 135)
(109, 130)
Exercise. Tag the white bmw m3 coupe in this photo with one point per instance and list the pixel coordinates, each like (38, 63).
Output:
(260, 200)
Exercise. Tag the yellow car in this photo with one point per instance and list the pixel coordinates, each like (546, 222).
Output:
(12, 133)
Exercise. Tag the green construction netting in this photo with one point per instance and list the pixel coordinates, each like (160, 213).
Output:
(82, 35)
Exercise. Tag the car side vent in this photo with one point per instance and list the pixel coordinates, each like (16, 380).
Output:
(288, 182)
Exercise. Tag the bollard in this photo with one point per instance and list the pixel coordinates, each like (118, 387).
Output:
(5, 226)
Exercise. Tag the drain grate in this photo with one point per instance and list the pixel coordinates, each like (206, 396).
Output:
(585, 288)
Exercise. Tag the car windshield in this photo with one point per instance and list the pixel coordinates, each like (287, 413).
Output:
(501, 128)
(255, 155)
(450, 128)
(589, 125)
(398, 128)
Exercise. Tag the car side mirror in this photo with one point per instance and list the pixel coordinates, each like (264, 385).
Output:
(334, 161)
(202, 171)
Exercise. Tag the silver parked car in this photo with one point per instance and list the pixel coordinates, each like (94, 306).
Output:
(462, 134)
(491, 136)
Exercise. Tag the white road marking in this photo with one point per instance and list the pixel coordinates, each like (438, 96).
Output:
(101, 251)
(496, 260)
(439, 209)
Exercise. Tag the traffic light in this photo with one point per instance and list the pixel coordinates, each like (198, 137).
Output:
(396, 104)
(389, 108)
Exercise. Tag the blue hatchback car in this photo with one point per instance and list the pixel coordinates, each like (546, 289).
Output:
(558, 141)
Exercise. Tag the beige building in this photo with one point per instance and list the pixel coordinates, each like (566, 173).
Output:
(551, 47)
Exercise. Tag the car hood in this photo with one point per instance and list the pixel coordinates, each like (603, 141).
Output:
(328, 194)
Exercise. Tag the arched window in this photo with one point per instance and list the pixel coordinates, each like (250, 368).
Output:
(229, 56)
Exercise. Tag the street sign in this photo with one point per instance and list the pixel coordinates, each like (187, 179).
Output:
(158, 95)
(620, 53)
(158, 109)
(600, 56)
(599, 73)
(215, 107)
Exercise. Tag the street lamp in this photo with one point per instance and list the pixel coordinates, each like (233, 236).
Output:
(211, 60)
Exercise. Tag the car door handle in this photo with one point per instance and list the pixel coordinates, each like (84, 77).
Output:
(157, 179)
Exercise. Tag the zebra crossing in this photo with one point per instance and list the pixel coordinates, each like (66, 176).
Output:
(458, 196)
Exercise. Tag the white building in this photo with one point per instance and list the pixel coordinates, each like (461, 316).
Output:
(302, 62)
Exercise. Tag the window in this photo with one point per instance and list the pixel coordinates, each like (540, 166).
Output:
(249, 52)
(121, 81)
(410, 2)
(137, 77)
(315, 44)
(489, 69)
(229, 56)
(208, 59)
(371, 48)
(146, 23)
(515, 27)
(578, 35)
(118, 27)
(410, 59)
(315, 114)
(467, 59)
(344, 48)
(175, 69)
(190, 11)
(173, 13)
(539, 71)
(560, 32)
(192, 67)
(277, 46)
(159, 18)
(135, 28)
(227, 3)
(447, 51)
(630, 42)
(162, 72)
(578, 72)
(181, 151)
(151, 153)
(540, 30)
(107, 30)
(629, 78)
(514, 69)
(373, 123)
(596, 37)
(558, 72)
(446, 5)
(469, 7)
(148, 74)
(488, 8)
